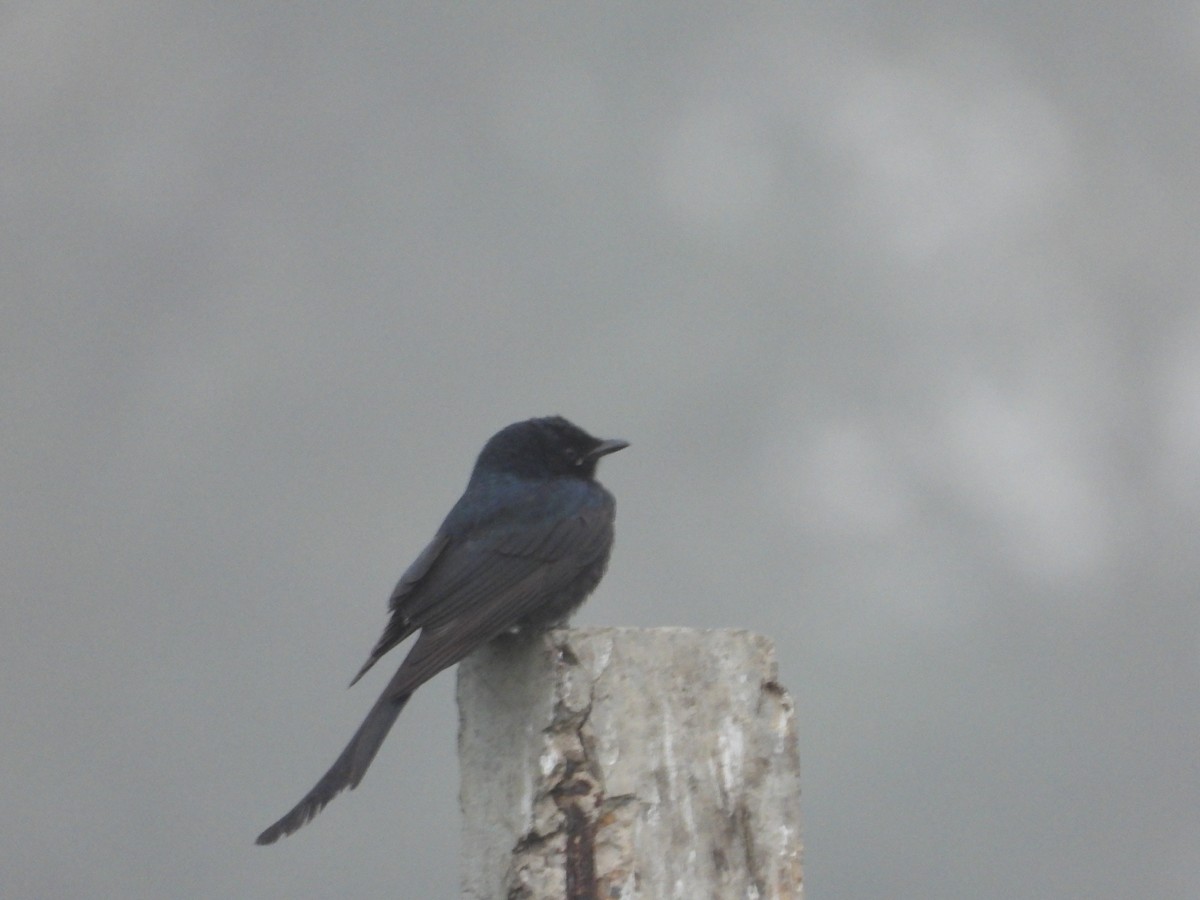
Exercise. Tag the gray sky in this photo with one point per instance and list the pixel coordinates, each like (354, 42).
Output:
(897, 305)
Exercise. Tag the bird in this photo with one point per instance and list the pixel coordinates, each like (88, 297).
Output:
(523, 547)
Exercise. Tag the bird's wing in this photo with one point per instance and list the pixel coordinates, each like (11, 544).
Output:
(480, 588)
(492, 560)
(414, 573)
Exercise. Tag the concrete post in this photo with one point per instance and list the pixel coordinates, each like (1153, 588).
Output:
(621, 763)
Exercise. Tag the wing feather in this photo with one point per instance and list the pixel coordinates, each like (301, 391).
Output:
(508, 584)
(484, 572)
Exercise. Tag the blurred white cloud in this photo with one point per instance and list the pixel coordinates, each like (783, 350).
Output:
(840, 476)
(1020, 465)
(949, 148)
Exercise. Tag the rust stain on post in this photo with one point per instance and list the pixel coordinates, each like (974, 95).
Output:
(581, 856)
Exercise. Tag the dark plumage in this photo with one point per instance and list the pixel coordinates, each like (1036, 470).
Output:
(525, 544)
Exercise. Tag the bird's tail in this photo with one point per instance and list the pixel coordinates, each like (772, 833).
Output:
(349, 768)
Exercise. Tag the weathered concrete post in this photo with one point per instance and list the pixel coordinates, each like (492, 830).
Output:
(607, 763)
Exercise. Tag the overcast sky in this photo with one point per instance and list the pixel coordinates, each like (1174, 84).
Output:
(898, 305)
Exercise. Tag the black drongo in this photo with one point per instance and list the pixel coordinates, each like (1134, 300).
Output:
(524, 545)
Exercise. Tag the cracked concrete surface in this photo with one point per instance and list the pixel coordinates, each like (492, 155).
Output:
(622, 763)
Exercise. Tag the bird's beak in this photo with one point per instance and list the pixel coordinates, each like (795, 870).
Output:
(606, 447)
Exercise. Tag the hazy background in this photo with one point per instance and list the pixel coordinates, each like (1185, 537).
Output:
(897, 304)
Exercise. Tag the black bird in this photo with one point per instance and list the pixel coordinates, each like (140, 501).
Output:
(522, 548)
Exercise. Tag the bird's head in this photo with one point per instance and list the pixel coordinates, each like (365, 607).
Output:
(545, 448)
